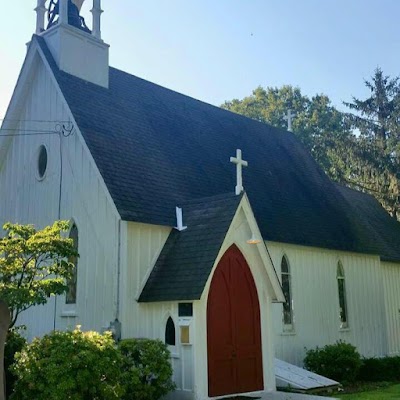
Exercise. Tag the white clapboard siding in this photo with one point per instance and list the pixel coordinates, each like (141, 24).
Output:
(83, 198)
(144, 244)
(316, 302)
(391, 280)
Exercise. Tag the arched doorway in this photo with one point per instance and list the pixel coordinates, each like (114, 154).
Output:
(233, 328)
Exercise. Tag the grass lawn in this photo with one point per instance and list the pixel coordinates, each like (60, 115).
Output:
(383, 393)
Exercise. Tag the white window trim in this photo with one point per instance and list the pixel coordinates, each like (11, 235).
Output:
(288, 329)
(344, 326)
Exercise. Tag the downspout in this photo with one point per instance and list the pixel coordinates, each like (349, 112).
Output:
(58, 216)
(115, 326)
(64, 131)
(117, 311)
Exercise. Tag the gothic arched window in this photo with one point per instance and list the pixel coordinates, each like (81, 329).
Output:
(170, 332)
(342, 296)
(287, 291)
(70, 297)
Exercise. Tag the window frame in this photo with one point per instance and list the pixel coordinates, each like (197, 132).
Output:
(167, 324)
(75, 260)
(42, 149)
(286, 278)
(342, 296)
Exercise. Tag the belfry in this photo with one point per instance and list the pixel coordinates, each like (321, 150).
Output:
(74, 18)
(75, 47)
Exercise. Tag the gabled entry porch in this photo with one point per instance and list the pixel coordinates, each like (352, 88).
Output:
(231, 284)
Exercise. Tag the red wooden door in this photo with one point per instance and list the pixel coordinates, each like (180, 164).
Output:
(233, 329)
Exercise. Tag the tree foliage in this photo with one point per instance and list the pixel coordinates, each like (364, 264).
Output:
(33, 265)
(360, 149)
(318, 124)
(373, 165)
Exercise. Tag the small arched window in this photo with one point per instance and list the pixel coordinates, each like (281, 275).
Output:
(287, 291)
(72, 283)
(342, 296)
(170, 332)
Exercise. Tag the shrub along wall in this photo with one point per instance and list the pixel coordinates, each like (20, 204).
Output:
(147, 369)
(342, 362)
(87, 365)
(380, 369)
(14, 344)
(69, 365)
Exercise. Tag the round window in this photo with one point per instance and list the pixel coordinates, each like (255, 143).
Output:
(42, 161)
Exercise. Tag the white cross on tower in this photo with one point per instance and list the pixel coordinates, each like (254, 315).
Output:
(289, 118)
(239, 164)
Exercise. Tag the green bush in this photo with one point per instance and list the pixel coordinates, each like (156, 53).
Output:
(340, 361)
(14, 344)
(380, 369)
(147, 369)
(71, 365)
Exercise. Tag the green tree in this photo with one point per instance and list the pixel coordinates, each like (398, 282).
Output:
(318, 124)
(4, 323)
(373, 164)
(33, 265)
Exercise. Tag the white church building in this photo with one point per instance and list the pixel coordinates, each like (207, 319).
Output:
(232, 257)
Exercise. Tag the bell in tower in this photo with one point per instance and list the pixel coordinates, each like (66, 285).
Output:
(75, 48)
(74, 19)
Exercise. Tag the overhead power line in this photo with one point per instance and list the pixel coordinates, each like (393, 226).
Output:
(24, 130)
(64, 128)
(30, 134)
(35, 120)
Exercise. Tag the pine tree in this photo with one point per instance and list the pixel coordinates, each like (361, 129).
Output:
(372, 162)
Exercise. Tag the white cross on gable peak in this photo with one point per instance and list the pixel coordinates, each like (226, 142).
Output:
(289, 118)
(240, 163)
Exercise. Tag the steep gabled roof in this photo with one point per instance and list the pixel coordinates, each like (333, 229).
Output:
(156, 148)
(374, 231)
(186, 260)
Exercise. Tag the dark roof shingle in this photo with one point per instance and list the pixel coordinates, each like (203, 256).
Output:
(156, 148)
(187, 258)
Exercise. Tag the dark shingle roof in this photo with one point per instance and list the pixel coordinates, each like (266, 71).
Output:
(374, 231)
(156, 148)
(187, 258)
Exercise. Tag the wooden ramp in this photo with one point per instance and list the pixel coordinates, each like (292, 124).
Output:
(182, 395)
(292, 396)
(291, 377)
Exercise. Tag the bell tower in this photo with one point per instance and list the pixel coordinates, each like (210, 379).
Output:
(77, 49)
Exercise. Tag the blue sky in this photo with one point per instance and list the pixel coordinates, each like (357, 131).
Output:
(216, 50)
